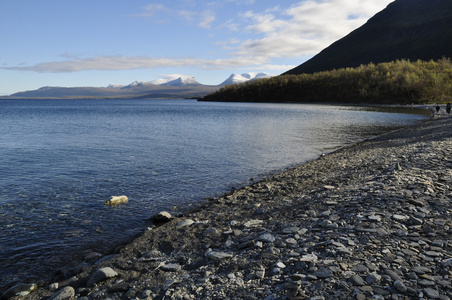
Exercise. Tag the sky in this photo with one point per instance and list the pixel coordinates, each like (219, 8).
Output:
(100, 42)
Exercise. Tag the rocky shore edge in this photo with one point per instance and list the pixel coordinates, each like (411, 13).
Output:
(370, 221)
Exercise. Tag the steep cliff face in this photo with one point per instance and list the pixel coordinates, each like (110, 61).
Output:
(406, 29)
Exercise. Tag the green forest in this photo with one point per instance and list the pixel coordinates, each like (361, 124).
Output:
(397, 82)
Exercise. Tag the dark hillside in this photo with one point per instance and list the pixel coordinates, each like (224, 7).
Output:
(406, 29)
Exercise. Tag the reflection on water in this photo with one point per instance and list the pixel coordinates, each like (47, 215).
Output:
(61, 159)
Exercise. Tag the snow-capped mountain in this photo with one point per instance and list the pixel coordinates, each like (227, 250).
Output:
(170, 80)
(170, 86)
(240, 78)
(183, 80)
(180, 81)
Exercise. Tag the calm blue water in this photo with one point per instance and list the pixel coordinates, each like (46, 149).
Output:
(60, 160)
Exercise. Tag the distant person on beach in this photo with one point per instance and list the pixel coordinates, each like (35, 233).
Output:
(448, 107)
(437, 108)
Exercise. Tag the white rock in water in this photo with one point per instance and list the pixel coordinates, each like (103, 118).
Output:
(116, 200)
(161, 217)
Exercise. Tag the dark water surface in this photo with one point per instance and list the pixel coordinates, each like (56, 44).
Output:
(60, 160)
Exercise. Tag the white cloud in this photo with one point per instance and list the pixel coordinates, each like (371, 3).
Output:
(152, 9)
(306, 27)
(137, 62)
(207, 17)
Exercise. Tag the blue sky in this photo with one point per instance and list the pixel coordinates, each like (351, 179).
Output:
(99, 42)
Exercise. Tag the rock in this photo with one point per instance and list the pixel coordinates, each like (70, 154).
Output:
(267, 238)
(323, 273)
(171, 267)
(400, 286)
(417, 202)
(101, 275)
(421, 270)
(374, 218)
(252, 223)
(400, 217)
(21, 289)
(117, 200)
(260, 274)
(309, 258)
(185, 222)
(357, 280)
(66, 293)
(217, 255)
(431, 293)
(161, 217)
(373, 278)
(393, 275)
(53, 287)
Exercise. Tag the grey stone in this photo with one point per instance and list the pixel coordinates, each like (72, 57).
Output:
(217, 255)
(400, 286)
(171, 267)
(357, 280)
(373, 278)
(323, 273)
(101, 275)
(267, 238)
(431, 293)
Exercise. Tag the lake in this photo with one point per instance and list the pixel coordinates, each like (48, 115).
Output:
(60, 160)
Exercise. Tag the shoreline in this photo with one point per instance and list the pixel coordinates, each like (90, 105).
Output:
(337, 226)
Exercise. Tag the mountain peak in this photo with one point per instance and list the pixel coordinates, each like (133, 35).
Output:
(236, 78)
(405, 29)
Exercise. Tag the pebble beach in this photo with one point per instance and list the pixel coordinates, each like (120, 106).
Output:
(369, 221)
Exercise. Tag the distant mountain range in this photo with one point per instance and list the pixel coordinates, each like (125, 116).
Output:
(405, 29)
(171, 87)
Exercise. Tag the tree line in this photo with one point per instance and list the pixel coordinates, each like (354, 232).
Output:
(401, 81)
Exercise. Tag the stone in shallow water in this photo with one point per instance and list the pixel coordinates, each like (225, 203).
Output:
(161, 217)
